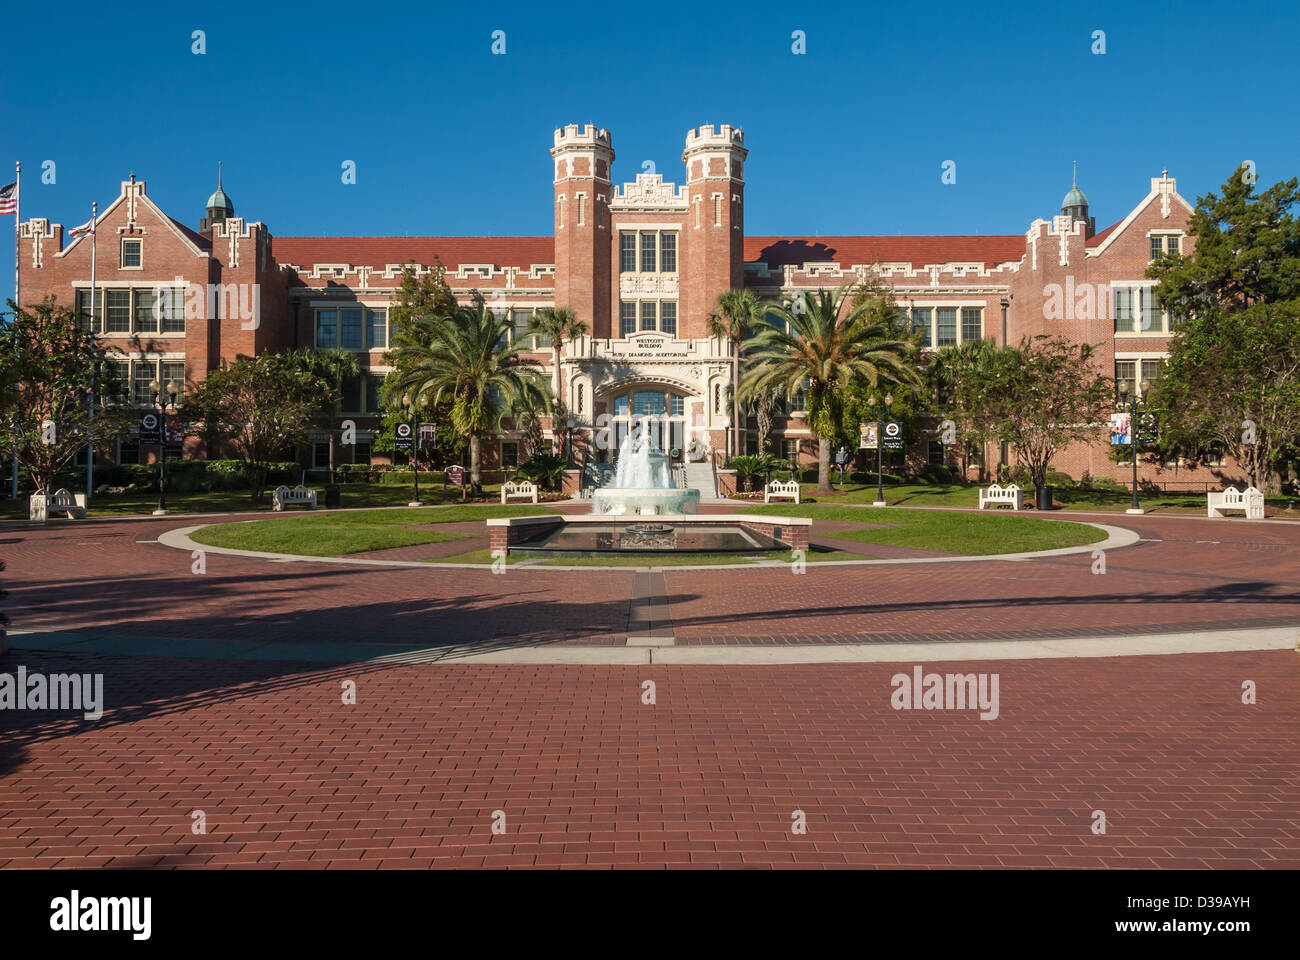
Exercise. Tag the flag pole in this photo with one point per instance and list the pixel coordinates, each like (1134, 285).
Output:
(18, 190)
(90, 397)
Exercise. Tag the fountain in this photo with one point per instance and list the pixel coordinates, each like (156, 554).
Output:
(643, 483)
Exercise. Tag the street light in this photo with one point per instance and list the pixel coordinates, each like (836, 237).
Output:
(1002, 450)
(408, 406)
(568, 437)
(880, 447)
(170, 400)
(726, 435)
(1133, 407)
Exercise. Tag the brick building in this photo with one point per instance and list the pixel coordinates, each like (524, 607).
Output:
(642, 263)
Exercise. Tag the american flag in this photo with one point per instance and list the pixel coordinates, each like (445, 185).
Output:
(9, 199)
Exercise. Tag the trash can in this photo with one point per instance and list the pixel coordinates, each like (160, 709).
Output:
(332, 497)
(1043, 497)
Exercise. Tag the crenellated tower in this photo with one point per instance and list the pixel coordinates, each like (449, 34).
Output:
(715, 228)
(583, 157)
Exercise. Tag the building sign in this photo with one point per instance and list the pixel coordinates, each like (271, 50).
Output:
(866, 436)
(150, 429)
(402, 438)
(455, 475)
(649, 348)
(893, 436)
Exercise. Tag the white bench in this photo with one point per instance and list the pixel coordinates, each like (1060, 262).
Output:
(284, 496)
(1010, 494)
(42, 505)
(777, 490)
(1249, 501)
(523, 490)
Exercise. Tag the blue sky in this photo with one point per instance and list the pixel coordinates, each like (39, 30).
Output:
(848, 138)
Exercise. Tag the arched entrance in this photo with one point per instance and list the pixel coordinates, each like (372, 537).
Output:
(662, 408)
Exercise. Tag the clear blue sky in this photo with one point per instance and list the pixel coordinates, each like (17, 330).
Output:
(848, 138)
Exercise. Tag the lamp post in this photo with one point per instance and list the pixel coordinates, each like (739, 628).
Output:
(1002, 447)
(568, 437)
(880, 447)
(726, 436)
(410, 407)
(1133, 407)
(163, 402)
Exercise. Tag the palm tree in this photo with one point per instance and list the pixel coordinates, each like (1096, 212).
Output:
(735, 318)
(463, 358)
(829, 344)
(560, 325)
(333, 367)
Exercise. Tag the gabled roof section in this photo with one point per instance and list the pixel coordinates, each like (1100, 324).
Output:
(851, 251)
(134, 192)
(379, 252)
(1164, 189)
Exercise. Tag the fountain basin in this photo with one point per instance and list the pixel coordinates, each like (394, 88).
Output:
(597, 535)
(647, 501)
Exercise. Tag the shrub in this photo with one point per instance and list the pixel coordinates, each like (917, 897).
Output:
(544, 469)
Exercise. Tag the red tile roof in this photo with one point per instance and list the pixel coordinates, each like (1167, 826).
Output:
(918, 251)
(1096, 239)
(381, 251)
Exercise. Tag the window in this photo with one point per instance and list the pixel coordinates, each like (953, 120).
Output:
(351, 398)
(361, 451)
(1123, 311)
(1151, 314)
(791, 450)
(668, 252)
(668, 317)
(519, 320)
(146, 321)
(351, 327)
(921, 325)
(626, 318)
(972, 324)
(648, 252)
(320, 456)
(144, 373)
(374, 382)
(1125, 370)
(648, 403)
(947, 319)
(83, 308)
(676, 405)
(717, 209)
(627, 251)
(132, 255)
(620, 405)
(327, 329)
(1161, 244)
(1151, 370)
(173, 371)
(128, 451)
(582, 209)
(171, 305)
(376, 329)
(117, 311)
(935, 454)
(648, 315)
(117, 385)
(509, 454)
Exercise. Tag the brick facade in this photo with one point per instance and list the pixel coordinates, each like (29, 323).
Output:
(687, 246)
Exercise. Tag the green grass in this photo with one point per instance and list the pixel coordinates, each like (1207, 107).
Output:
(968, 534)
(336, 534)
(1104, 500)
(239, 501)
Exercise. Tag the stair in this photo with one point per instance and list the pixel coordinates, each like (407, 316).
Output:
(700, 477)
